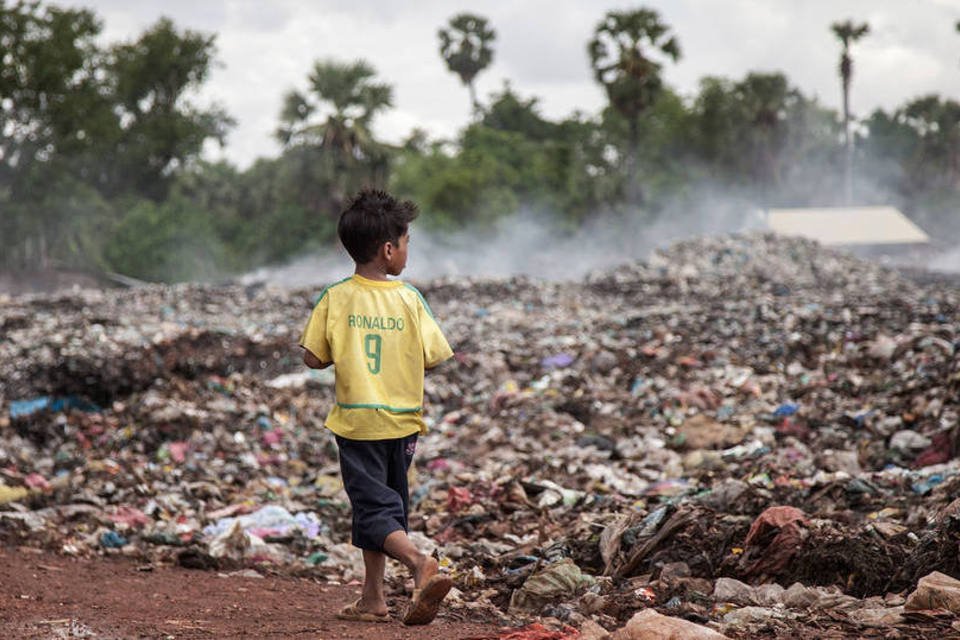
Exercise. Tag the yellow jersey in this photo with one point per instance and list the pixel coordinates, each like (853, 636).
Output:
(380, 336)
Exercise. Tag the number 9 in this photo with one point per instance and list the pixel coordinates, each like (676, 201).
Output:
(372, 343)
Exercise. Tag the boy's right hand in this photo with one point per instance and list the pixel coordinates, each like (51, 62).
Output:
(313, 361)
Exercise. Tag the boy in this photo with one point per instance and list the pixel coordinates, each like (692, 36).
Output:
(381, 336)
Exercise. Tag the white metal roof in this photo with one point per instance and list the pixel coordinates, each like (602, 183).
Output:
(847, 225)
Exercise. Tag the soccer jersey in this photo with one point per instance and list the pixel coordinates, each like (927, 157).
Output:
(380, 336)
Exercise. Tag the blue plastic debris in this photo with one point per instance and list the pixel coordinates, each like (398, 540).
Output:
(786, 409)
(925, 486)
(21, 408)
(112, 540)
(24, 408)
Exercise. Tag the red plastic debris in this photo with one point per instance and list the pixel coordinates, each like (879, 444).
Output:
(775, 536)
(458, 498)
(130, 516)
(36, 481)
(178, 451)
(537, 631)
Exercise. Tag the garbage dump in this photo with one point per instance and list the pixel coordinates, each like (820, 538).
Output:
(741, 437)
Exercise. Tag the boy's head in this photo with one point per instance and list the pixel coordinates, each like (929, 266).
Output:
(373, 219)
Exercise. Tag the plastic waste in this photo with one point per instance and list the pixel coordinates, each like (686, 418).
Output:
(25, 408)
(271, 520)
(112, 540)
(558, 361)
(559, 580)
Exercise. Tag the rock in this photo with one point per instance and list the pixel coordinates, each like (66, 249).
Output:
(650, 625)
(590, 630)
(732, 590)
(749, 616)
(935, 591)
(882, 618)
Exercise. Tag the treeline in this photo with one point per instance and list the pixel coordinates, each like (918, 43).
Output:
(101, 150)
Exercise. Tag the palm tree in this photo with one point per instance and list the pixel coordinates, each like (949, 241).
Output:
(334, 118)
(465, 47)
(620, 57)
(848, 33)
(766, 99)
(936, 123)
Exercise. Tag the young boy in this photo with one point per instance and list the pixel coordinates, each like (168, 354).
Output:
(381, 336)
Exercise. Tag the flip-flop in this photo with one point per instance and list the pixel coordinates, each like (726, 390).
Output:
(353, 613)
(426, 601)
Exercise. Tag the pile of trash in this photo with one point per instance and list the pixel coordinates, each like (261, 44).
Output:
(745, 436)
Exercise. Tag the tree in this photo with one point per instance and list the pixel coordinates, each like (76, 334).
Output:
(763, 135)
(512, 158)
(848, 33)
(766, 100)
(169, 241)
(329, 130)
(53, 116)
(621, 55)
(465, 47)
(159, 129)
(916, 148)
(508, 112)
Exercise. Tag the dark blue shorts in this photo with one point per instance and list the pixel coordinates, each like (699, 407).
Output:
(375, 476)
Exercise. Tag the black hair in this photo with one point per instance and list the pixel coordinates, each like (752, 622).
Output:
(373, 218)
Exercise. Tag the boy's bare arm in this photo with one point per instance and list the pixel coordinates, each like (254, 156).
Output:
(313, 361)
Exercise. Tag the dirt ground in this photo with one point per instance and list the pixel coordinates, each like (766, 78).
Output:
(45, 596)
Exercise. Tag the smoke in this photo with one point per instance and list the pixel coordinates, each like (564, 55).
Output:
(948, 261)
(533, 243)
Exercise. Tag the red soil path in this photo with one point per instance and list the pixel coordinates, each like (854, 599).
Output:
(50, 597)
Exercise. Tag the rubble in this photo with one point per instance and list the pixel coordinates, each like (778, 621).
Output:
(751, 434)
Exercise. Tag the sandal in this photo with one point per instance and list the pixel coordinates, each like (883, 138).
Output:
(353, 613)
(426, 601)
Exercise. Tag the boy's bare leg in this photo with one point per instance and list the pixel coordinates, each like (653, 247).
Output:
(424, 567)
(372, 599)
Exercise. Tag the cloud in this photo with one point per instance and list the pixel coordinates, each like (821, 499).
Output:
(267, 49)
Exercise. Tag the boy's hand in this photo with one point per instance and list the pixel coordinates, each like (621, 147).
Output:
(313, 361)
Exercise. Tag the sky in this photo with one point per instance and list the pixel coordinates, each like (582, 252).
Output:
(265, 49)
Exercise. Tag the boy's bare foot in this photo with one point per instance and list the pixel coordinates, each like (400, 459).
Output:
(426, 600)
(422, 574)
(360, 611)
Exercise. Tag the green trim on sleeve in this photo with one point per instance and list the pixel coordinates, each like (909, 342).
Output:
(327, 288)
(422, 299)
(378, 406)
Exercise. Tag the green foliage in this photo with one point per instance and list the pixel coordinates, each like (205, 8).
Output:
(327, 135)
(622, 54)
(761, 135)
(922, 138)
(465, 45)
(848, 32)
(100, 148)
(508, 112)
(255, 214)
(513, 157)
(81, 126)
(159, 129)
(172, 241)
